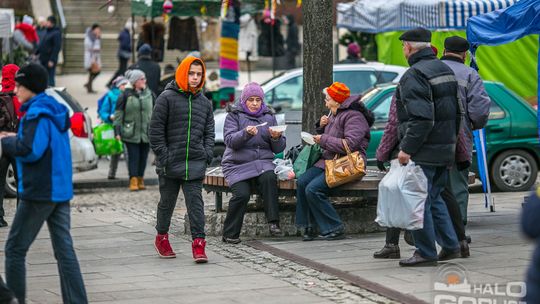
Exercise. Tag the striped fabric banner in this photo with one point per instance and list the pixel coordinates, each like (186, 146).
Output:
(423, 13)
(455, 13)
(375, 16)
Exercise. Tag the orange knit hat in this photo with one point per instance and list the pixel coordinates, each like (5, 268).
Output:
(338, 91)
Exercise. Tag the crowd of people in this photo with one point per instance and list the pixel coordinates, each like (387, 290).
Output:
(437, 105)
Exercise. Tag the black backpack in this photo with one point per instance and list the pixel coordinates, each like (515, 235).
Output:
(8, 118)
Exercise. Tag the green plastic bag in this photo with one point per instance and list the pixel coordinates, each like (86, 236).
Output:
(105, 142)
(306, 159)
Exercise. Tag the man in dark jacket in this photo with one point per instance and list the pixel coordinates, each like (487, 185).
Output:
(49, 48)
(123, 54)
(530, 216)
(150, 68)
(182, 138)
(41, 149)
(427, 110)
(476, 104)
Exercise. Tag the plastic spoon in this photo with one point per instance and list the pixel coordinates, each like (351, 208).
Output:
(260, 125)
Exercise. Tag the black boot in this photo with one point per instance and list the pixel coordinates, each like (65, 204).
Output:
(3, 222)
(274, 229)
(309, 235)
(389, 251)
(464, 246)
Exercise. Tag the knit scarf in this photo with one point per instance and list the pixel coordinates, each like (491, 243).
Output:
(258, 113)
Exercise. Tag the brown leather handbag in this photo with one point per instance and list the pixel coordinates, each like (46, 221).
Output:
(346, 169)
(94, 68)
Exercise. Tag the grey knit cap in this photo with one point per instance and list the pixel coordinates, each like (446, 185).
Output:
(134, 75)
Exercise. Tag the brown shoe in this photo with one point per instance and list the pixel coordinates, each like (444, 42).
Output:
(464, 246)
(417, 260)
(133, 184)
(389, 251)
(140, 180)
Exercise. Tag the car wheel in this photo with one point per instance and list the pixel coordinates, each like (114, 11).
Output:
(514, 170)
(11, 183)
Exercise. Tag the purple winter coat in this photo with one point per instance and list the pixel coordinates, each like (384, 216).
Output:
(247, 156)
(348, 123)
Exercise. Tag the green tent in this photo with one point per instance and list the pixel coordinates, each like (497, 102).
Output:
(513, 64)
(212, 8)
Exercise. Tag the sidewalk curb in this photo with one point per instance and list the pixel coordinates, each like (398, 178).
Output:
(108, 183)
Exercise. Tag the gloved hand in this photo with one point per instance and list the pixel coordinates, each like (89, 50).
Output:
(463, 165)
(380, 165)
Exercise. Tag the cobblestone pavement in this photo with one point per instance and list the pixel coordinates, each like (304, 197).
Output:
(141, 206)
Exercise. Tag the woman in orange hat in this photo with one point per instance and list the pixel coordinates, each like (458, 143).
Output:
(350, 120)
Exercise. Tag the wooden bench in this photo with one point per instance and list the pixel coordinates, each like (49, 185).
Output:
(366, 188)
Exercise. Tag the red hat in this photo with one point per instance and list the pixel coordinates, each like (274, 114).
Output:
(339, 92)
(8, 77)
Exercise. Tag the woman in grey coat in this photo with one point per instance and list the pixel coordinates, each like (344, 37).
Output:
(92, 54)
(247, 161)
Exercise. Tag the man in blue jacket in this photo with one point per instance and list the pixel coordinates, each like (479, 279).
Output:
(42, 152)
(49, 48)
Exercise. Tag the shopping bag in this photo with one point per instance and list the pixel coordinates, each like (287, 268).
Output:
(309, 155)
(105, 142)
(402, 197)
(284, 169)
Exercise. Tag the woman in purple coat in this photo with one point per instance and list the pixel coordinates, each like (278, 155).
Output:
(349, 120)
(247, 161)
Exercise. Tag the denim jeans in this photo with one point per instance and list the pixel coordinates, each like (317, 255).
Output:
(137, 158)
(52, 74)
(28, 220)
(437, 223)
(313, 205)
(168, 191)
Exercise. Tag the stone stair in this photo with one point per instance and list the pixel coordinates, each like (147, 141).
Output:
(81, 14)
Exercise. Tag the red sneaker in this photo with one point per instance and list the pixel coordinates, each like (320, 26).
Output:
(163, 247)
(198, 250)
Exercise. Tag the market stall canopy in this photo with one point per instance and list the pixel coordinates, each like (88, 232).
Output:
(376, 16)
(212, 8)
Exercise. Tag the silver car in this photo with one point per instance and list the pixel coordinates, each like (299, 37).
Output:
(285, 94)
(83, 155)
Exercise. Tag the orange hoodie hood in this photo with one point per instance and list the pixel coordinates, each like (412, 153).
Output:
(182, 72)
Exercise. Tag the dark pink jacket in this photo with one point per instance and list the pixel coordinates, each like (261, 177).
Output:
(350, 124)
(390, 141)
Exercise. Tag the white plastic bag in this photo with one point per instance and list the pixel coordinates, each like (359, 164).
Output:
(402, 197)
(284, 169)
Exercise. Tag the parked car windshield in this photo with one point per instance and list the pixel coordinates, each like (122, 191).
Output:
(289, 94)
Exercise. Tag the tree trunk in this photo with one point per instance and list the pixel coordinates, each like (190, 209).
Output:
(318, 62)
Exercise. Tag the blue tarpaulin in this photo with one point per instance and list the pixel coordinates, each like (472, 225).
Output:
(504, 26)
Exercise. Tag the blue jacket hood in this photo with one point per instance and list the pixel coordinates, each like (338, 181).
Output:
(46, 106)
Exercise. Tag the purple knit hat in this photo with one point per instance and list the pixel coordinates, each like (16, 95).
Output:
(353, 49)
(251, 89)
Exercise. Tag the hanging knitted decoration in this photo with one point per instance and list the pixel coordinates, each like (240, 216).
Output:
(228, 54)
(298, 3)
(273, 11)
(167, 9)
(224, 8)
